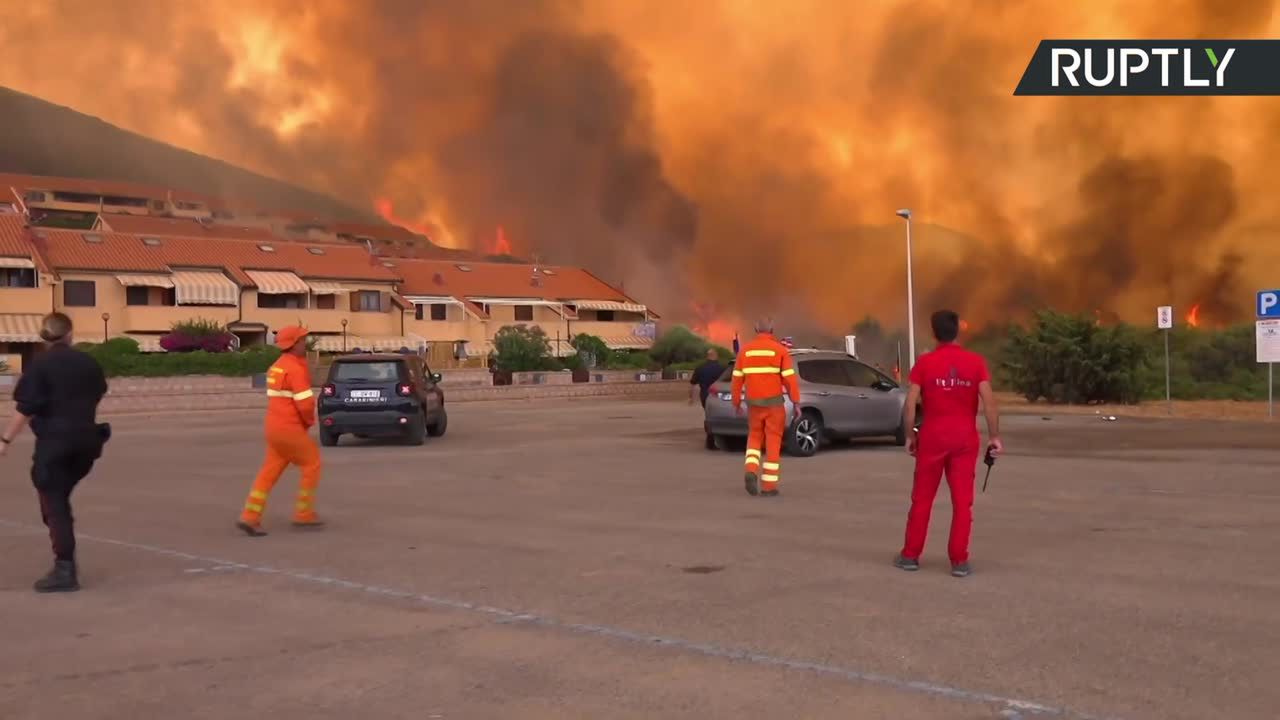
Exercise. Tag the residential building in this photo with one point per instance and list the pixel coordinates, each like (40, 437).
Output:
(140, 284)
(468, 302)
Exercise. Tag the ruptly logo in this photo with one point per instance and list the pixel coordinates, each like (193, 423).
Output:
(1153, 67)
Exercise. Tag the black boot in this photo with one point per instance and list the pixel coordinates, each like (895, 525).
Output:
(62, 578)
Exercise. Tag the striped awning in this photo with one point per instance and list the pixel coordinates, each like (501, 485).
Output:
(20, 327)
(385, 343)
(276, 282)
(326, 287)
(561, 348)
(146, 343)
(17, 262)
(205, 288)
(628, 342)
(607, 305)
(160, 281)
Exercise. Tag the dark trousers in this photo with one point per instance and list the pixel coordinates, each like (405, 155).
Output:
(60, 463)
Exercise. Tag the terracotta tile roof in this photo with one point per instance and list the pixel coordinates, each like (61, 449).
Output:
(22, 183)
(485, 279)
(183, 227)
(16, 241)
(117, 252)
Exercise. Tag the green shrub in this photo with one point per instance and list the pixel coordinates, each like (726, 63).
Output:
(679, 344)
(229, 364)
(592, 350)
(519, 348)
(1071, 359)
(630, 360)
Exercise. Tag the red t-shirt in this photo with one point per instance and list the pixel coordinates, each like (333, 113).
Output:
(948, 378)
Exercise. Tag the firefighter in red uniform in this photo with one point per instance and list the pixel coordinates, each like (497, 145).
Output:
(764, 367)
(947, 382)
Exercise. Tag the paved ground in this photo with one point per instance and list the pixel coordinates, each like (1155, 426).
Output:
(591, 560)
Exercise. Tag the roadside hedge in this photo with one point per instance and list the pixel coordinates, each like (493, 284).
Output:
(120, 357)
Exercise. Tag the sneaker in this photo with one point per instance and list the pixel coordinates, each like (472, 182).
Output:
(906, 563)
(961, 570)
(250, 529)
(753, 484)
(62, 578)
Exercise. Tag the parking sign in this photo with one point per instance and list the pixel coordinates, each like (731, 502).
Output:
(1164, 317)
(1268, 303)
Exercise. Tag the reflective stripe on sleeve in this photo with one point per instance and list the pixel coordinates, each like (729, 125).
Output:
(298, 397)
(737, 373)
(761, 371)
(788, 372)
(761, 353)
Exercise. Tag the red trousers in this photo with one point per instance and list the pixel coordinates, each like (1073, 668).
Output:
(955, 453)
(765, 426)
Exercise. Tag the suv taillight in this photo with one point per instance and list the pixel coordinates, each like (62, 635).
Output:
(405, 390)
(328, 391)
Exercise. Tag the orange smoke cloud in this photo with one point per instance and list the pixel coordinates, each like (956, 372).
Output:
(751, 154)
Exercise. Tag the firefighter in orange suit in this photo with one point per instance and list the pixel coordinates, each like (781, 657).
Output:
(291, 411)
(764, 367)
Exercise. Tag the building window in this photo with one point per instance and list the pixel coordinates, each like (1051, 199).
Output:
(326, 302)
(17, 277)
(524, 313)
(604, 315)
(440, 312)
(271, 300)
(367, 301)
(150, 296)
(79, 293)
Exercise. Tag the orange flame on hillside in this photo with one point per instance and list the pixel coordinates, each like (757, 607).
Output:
(1193, 316)
(501, 246)
(387, 211)
(713, 326)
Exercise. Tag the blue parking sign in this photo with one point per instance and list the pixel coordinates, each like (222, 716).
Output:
(1269, 304)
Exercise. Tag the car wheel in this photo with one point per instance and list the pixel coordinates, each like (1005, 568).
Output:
(805, 435)
(415, 432)
(328, 438)
(441, 424)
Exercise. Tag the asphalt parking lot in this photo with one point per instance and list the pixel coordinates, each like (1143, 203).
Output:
(590, 559)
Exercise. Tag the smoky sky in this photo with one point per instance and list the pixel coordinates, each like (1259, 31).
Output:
(748, 157)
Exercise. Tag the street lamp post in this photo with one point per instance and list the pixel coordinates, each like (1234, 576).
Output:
(106, 318)
(911, 301)
(344, 335)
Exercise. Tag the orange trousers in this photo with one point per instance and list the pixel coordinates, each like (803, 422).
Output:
(765, 426)
(284, 448)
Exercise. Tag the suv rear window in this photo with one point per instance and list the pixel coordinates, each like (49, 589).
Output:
(373, 371)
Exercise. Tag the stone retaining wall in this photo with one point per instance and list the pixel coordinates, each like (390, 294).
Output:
(140, 395)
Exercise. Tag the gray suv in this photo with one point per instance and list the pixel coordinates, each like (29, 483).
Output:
(840, 397)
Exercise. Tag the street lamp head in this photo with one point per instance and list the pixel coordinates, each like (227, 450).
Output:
(106, 317)
(904, 213)
(344, 322)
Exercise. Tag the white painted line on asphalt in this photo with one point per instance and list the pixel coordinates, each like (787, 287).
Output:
(1013, 707)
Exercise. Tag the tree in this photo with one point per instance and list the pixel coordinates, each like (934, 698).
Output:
(592, 350)
(677, 345)
(519, 348)
(1070, 359)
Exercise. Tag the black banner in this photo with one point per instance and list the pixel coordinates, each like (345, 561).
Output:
(1153, 67)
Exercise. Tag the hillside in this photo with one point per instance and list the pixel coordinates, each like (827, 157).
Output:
(40, 138)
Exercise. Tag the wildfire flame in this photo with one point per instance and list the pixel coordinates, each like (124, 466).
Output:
(435, 230)
(501, 246)
(964, 326)
(712, 326)
(1193, 316)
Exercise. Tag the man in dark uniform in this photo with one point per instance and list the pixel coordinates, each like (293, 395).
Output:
(704, 378)
(58, 395)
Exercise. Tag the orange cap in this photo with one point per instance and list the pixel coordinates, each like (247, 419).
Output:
(289, 336)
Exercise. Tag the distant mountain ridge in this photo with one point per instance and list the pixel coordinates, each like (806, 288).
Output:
(41, 138)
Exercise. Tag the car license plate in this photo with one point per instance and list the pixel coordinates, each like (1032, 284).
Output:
(366, 394)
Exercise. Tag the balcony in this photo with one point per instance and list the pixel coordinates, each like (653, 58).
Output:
(37, 301)
(160, 318)
(321, 321)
